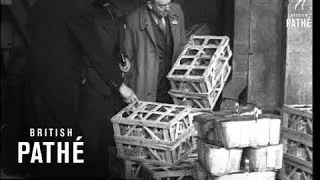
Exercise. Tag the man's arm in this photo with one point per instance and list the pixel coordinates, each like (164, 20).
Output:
(129, 47)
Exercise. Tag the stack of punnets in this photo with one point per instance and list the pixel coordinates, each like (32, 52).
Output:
(200, 72)
(296, 137)
(238, 146)
(155, 135)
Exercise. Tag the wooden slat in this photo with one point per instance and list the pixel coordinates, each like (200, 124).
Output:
(310, 125)
(294, 170)
(116, 128)
(130, 130)
(151, 143)
(144, 123)
(309, 153)
(296, 162)
(151, 133)
(154, 154)
(147, 161)
(297, 136)
(288, 109)
(167, 138)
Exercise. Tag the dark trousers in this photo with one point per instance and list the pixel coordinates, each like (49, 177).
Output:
(96, 127)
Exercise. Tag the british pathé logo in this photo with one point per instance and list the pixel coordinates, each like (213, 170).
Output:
(41, 152)
(300, 3)
(299, 14)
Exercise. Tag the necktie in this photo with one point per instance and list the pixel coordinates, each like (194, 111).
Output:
(161, 25)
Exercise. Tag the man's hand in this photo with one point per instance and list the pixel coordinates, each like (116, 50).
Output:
(127, 94)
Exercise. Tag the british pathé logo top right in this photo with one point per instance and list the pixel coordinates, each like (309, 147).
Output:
(300, 3)
(299, 14)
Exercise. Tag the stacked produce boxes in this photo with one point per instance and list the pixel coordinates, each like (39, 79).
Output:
(238, 146)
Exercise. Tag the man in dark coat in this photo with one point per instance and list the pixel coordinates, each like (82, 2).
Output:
(68, 70)
(155, 37)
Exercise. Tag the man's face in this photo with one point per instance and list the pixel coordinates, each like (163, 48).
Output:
(160, 7)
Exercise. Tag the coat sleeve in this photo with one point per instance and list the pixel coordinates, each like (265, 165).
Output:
(82, 26)
(129, 47)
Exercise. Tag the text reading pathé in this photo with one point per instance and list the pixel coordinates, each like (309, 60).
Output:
(43, 151)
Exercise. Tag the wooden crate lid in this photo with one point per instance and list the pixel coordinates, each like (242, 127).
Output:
(152, 112)
(197, 59)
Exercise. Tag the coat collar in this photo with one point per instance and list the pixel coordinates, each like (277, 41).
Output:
(145, 23)
(145, 20)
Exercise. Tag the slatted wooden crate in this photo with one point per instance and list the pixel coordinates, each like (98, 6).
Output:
(167, 154)
(184, 171)
(121, 168)
(297, 138)
(204, 101)
(152, 122)
(219, 161)
(292, 170)
(236, 131)
(263, 158)
(202, 174)
(198, 68)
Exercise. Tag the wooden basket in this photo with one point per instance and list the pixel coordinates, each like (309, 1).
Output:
(152, 122)
(203, 121)
(184, 170)
(204, 101)
(236, 131)
(167, 154)
(199, 67)
(297, 139)
(263, 158)
(219, 161)
(202, 174)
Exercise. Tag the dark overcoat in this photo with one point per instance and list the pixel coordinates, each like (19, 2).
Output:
(65, 44)
(142, 50)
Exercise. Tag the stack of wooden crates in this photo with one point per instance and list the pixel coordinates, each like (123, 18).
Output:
(297, 140)
(155, 139)
(242, 146)
(200, 72)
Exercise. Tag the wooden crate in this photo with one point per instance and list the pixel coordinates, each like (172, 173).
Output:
(199, 67)
(152, 122)
(297, 132)
(219, 161)
(202, 174)
(263, 158)
(297, 139)
(236, 131)
(292, 170)
(122, 169)
(204, 101)
(167, 154)
(184, 171)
